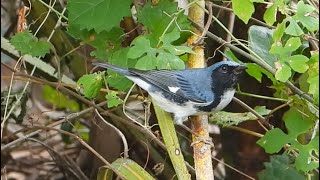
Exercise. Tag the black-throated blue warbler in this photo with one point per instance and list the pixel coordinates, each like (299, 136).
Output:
(187, 92)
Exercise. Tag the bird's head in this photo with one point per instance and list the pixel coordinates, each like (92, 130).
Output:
(226, 73)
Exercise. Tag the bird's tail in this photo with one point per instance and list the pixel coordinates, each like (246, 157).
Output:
(112, 67)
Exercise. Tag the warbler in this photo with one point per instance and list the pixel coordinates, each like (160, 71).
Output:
(189, 91)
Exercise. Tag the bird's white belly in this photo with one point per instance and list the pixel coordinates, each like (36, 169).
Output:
(180, 110)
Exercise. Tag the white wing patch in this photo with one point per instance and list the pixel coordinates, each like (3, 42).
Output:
(173, 89)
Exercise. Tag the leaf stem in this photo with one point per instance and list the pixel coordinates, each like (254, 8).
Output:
(261, 97)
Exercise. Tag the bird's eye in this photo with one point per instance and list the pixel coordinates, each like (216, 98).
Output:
(224, 69)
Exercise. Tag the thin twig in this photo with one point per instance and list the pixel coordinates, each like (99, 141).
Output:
(236, 170)
(84, 144)
(67, 118)
(207, 26)
(261, 119)
(123, 138)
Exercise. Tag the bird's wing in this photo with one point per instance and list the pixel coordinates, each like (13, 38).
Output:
(177, 84)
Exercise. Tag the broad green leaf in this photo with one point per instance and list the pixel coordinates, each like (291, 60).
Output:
(313, 78)
(256, 71)
(93, 14)
(278, 32)
(303, 15)
(58, 99)
(169, 61)
(112, 99)
(91, 84)
(178, 50)
(293, 44)
(283, 73)
(262, 110)
(167, 40)
(260, 41)
(314, 87)
(253, 71)
(298, 63)
(293, 28)
(273, 140)
(270, 15)
(170, 37)
(259, 1)
(146, 63)
(296, 123)
(141, 45)
(131, 170)
(279, 167)
(104, 42)
(306, 160)
(243, 9)
(104, 173)
(118, 81)
(157, 20)
(26, 43)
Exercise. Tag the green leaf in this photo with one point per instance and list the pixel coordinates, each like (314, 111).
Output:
(59, 100)
(141, 45)
(306, 161)
(26, 43)
(167, 40)
(243, 9)
(270, 15)
(169, 61)
(303, 15)
(293, 28)
(298, 63)
(253, 71)
(278, 32)
(112, 99)
(279, 167)
(262, 110)
(146, 63)
(273, 140)
(157, 19)
(313, 78)
(118, 81)
(293, 44)
(259, 1)
(260, 41)
(129, 169)
(314, 87)
(296, 123)
(93, 14)
(91, 84)
(256, 71)
(283, 73)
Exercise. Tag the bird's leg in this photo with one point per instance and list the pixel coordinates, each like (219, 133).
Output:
(179, 120)
(201, 139)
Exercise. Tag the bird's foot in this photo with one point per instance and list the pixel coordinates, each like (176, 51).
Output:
(207, 141)
(200, 138)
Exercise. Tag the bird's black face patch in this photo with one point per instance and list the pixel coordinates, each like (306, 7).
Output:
(226, 76)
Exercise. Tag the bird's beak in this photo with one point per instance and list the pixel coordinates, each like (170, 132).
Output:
(240, 68)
